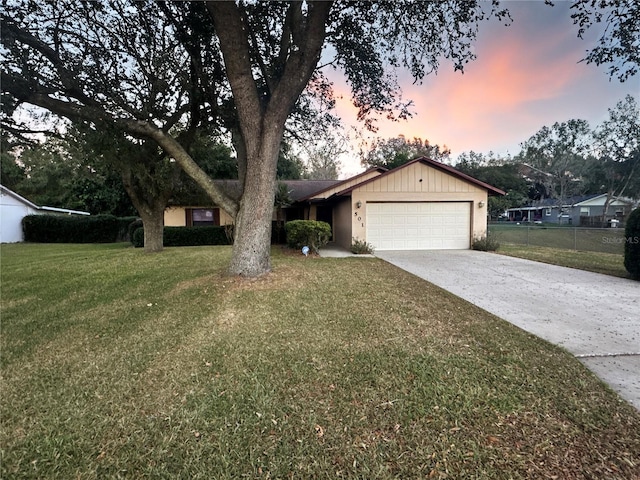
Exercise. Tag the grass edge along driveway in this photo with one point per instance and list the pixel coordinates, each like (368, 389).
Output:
(121, 364)
(597, 262)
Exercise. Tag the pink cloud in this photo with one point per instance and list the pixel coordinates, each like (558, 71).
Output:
(525, 76)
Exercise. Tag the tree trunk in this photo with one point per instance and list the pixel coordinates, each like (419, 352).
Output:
(153, 223)
(251, 254)
(151, 211)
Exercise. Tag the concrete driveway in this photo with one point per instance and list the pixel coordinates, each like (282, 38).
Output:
(596, 317)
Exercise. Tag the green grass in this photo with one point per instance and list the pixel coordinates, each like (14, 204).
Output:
(607, 263)
(118, 364)
(603, 240)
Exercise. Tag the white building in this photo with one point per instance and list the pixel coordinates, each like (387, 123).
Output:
(13, 208)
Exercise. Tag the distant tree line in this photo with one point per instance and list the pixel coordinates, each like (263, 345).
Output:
(558, 162)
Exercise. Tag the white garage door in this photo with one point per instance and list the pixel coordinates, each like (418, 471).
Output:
(419, 226)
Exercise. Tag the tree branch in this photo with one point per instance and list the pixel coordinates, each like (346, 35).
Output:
(234, 44)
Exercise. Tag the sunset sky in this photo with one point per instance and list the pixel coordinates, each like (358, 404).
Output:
(525, 76)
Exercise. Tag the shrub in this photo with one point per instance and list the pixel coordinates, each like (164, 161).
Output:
(278, 233)
(360, 247)
(74, 229)
(192, 236)
(632, 244)
(488, 243)
(229, 232)
(138, 237)
(133, 226)
(311, 233)
(124, 228)
(186, 236)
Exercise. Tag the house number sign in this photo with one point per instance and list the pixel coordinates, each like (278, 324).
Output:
(359, 218)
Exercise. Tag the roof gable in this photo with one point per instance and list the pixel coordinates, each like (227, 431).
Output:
(19, 198)
(344, 184)
(10, 193)
(600, 200)
(593, 200)
(439, 167)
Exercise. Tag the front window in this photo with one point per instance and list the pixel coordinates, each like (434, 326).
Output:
(203, 216)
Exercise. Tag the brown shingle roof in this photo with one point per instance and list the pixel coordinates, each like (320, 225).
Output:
(298, 189)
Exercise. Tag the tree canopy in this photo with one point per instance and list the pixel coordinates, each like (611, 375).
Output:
(158, 71)
(619, 44)
(392, 152)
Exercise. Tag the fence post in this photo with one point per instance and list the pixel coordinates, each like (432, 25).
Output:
(528, 227)
(575, 239)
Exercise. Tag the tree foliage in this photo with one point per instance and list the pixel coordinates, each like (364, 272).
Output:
(556, 157)
(617, 142)
(502, 173)
(59, 172)
(158, 70)
(619, 43)
(323, 157)
(392, 152)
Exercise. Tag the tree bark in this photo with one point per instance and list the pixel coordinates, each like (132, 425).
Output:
(153, 224)
(251, 254)
(261, 124)
(151, 212)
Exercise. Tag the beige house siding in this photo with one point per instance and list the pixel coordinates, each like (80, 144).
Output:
(342, 214)
(177, 216)
(419, 183)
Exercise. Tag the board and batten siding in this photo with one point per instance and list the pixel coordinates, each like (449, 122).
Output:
(420, 183)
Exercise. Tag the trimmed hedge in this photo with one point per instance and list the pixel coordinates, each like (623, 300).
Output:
(186, 236)
(75, 229)
(311, 233)
(632, 244)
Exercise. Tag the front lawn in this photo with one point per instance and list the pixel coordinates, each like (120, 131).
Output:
(119, 364)
(607, 263)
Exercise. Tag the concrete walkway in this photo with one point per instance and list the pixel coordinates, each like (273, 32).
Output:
(596, 317)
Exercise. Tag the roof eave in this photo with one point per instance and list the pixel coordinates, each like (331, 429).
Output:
(382, 171)
(491, 190)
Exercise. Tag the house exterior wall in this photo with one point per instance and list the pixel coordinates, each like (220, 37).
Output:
(177, 216)
(572, 214)
(12, 211)
(342, 223)
(419, 183)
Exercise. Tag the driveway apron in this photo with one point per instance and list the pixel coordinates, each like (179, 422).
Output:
(595, 317)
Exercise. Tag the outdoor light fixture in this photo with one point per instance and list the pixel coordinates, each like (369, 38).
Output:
(480, 204)
(358, 204)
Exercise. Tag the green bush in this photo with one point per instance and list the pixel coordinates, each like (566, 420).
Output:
(193, 236)
(138, 237)
(488, 243)
(74, 228)
(311, 233)
(186, 236)
(632, 244)
(133, 226)
(124, 228)
(360, 247)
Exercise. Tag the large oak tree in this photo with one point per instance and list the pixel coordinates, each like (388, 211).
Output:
(156, 70)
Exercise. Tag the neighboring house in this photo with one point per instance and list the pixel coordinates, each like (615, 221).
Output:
(13, 208)
(586, 210)
(420, 205)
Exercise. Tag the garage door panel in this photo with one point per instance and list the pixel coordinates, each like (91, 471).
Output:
(419, 226)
